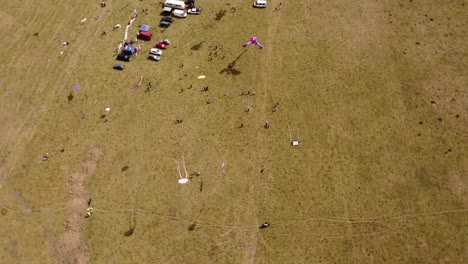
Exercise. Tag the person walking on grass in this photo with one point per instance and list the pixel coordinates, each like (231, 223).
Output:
(279, 7)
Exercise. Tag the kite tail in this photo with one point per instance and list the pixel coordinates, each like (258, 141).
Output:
(246, 44)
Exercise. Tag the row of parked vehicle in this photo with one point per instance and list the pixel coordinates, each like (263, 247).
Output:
(174, 7)
(180, 6)
(167, 21)
(156, 52)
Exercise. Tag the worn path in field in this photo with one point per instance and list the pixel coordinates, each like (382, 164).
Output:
(265, 81)
(71, 247)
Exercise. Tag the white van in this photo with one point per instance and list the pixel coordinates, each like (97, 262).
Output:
(175, 4)
(179, 13)
(260, 3)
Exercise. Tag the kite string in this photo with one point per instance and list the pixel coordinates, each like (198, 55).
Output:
(284, 222)
(178, 167)
(185, 169)
(138, 85)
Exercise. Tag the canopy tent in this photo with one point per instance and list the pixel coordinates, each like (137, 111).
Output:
(144, 28)
(129, 50)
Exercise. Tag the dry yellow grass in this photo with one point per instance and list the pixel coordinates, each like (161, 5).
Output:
(376, 90)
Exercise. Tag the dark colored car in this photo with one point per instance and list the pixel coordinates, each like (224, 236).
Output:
(167, 19)
(124, 57)
(164, 24)
(119, 67)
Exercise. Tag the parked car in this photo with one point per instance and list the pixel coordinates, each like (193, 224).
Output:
(119, 67)
(165, 41)
(179, 13)
(155, 51)
(164, 24)
(161, 45)
(124, 57)
(154, 57)
(260, 3)
(194, 11)
(166, 11)
(144, 35)
(167, 19)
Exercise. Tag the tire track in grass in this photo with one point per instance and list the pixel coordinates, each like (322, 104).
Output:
(265, 79)
(26, 129)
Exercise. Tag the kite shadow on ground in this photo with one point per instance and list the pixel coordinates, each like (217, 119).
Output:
(220, 15)
(132, 227)
(197, 46)
(230, 69)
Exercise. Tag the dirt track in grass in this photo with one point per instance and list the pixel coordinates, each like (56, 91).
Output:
(71, 247)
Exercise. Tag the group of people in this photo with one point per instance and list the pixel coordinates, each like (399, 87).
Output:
(247, 93)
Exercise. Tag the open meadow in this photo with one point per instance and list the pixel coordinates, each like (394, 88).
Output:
(376, 92)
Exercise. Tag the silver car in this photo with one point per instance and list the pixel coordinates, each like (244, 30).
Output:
(154, 57)
(165, 41)
(156, 52)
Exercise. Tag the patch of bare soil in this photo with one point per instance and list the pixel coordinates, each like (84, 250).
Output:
(70, 247)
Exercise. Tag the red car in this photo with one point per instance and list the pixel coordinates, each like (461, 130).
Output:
(143, 35)
(161, 45)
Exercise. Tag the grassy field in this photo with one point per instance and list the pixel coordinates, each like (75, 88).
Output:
(375, 90)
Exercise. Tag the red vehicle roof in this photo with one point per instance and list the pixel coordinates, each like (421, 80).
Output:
(161, 45)
(144, 35)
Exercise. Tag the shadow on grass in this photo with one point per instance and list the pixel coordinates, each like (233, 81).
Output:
(132, 226)
(197, 46)
(230, 69)
(192, 227)
(220, 15)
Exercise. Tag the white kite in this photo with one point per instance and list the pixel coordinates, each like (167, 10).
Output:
(182, 180)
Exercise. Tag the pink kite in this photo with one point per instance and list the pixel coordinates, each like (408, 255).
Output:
(253, 40)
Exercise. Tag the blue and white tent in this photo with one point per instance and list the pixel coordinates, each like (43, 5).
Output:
(129, 50)
(145, 28)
